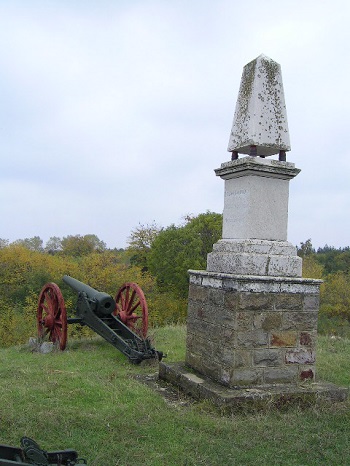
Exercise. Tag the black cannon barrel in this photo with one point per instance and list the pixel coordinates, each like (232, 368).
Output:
(105, 304)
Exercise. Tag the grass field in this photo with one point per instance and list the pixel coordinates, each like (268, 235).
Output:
(91, 399)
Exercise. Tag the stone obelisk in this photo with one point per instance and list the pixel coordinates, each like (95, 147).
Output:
(255, 217)
(252, 318)
(260, 124)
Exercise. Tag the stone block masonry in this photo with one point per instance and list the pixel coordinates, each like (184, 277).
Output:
(245, 331)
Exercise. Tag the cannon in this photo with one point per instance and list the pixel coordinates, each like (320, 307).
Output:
(30, 454)
(122, 321)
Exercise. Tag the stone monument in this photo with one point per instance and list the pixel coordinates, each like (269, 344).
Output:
(252, 318)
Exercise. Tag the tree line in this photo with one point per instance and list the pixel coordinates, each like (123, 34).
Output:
(71, 245)
(157, 259)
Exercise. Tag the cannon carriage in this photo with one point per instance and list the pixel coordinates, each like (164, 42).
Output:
(122, 321)
(30, 454)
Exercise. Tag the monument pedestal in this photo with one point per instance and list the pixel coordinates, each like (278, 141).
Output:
(256, 198)
(252, 330)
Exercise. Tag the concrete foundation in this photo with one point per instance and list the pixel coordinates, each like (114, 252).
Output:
(279, 396)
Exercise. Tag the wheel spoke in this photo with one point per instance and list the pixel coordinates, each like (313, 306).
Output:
(50, 307)
(52, 316)
(122, 301)
(56, 332)
(134, 318)
(131, 300)
(131, 306)
(134, 307)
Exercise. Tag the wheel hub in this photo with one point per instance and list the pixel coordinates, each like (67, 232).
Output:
(49, 321)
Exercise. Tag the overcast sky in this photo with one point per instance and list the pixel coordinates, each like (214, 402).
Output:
(116, 112)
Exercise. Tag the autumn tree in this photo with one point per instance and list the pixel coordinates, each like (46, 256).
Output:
(306, 249)
(53, 245)
(140, 242)
(78, 246)
(312, 268)
(336, 297)
(33, 244)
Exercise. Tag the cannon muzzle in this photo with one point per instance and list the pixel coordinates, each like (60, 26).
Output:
(103, 303)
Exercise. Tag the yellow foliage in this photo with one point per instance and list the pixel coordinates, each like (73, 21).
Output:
(7, 325)
(17, 326)
(105, 273)
(312, 268)
(19, 265)
(335, 299)
(23, 273)
(101, 271)
(164, 309)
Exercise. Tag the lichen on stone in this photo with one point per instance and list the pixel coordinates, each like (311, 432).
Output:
(260, 104)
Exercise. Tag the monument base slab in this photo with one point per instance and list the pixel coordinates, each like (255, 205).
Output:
(280, 396)
(255, 257)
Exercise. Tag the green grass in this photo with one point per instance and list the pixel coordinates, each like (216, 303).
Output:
(91, 399)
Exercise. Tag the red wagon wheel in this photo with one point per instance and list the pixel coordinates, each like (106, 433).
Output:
(52, 316)
(132, 308)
